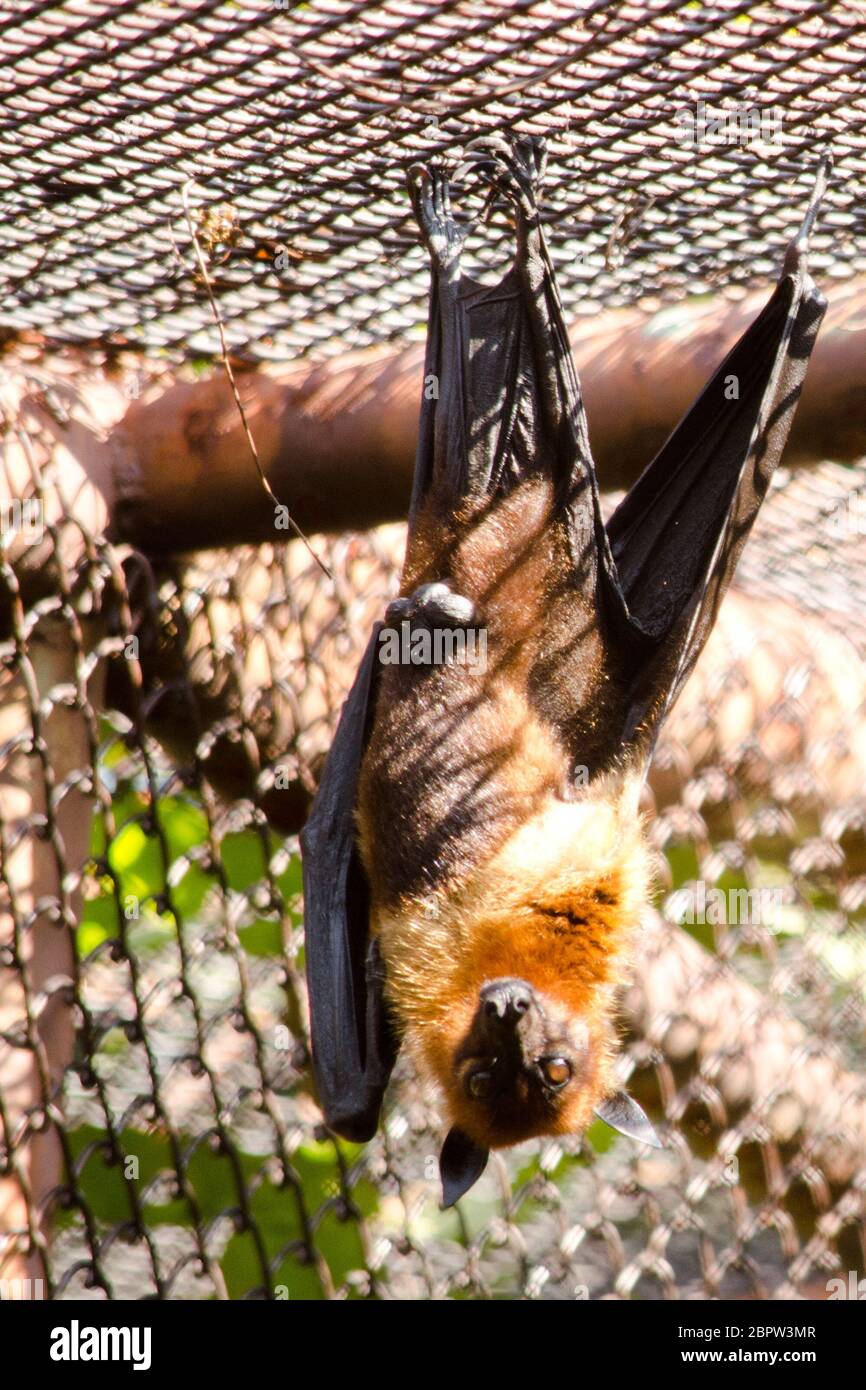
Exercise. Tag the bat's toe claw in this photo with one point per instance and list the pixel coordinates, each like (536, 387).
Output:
(797, 253)
(431, 203)
(513, 167)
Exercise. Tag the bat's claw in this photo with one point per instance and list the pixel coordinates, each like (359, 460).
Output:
(514, 168)
(795, 256)
(431, 202)
(434, 605)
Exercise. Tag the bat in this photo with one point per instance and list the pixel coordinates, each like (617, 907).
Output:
(475, 864)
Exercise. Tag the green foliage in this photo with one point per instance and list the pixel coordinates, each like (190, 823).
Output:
(221, 1185)
(156, 874)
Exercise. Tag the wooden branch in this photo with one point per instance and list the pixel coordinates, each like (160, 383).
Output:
(337, 440)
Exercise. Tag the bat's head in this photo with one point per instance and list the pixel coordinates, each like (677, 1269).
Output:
(527, 1066)
(506, 988)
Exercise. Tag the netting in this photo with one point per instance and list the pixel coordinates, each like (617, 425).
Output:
(192, 1160)
(297, 123)
(162, 725)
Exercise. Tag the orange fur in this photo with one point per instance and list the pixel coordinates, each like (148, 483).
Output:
(483, 860)
(556, 906)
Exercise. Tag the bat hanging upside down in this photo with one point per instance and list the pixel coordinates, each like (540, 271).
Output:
(475, 863)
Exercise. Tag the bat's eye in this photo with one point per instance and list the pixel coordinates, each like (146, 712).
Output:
(556, 1071)
(480, 1084)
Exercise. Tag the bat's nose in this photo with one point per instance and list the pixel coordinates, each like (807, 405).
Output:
(506, 999)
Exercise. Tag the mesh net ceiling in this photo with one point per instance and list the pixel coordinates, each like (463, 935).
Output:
(296, 125)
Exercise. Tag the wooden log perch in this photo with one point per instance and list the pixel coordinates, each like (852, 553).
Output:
(337, 439)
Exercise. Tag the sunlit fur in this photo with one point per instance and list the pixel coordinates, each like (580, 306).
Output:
(557, 907)
(485, 857)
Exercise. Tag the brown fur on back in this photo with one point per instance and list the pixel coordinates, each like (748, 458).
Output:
(460, 757)
(484, 858)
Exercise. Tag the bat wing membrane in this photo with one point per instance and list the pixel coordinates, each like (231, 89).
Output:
(660, 568)
(677, 535)
(354, 1046)
(502, 401)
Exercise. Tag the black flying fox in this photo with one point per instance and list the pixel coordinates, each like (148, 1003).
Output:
(475, 864)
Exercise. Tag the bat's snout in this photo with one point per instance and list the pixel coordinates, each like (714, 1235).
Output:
(506, 1001)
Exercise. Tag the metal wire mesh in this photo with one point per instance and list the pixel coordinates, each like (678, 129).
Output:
(162, 726)
(157, 1130)
(297, 123)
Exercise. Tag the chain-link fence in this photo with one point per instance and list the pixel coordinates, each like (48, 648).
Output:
(297, 123)
(163, 723)
(159, 1132)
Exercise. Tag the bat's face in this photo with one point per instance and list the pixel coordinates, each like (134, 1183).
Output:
(505, 988)
(525, 1063)
(525, 1066)
(528, 1065)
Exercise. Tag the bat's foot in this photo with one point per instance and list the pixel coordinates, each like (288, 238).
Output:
(431, 202)
(514, 168)
(435, 605)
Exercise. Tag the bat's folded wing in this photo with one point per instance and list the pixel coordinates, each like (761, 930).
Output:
(657, 573)
(676, 537)
(353, 1045)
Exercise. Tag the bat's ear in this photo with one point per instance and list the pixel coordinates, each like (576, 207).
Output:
(461, 1164)
(625, 1115)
